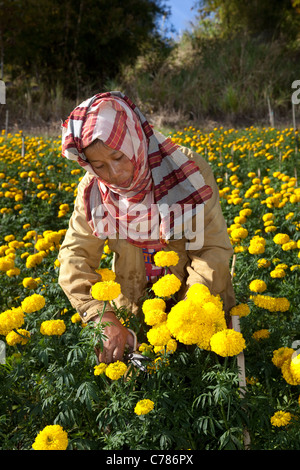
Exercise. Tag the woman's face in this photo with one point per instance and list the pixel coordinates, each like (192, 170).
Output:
(112, 166)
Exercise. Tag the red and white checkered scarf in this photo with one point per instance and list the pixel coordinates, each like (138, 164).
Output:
(164, 178)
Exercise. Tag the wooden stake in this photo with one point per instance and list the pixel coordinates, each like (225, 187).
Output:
(240, 361)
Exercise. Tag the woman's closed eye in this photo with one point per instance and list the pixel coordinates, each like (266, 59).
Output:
(99, 166)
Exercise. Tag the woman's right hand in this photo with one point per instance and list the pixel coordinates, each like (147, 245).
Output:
(117, 338)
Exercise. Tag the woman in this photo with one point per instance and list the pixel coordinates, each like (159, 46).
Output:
(141, 193)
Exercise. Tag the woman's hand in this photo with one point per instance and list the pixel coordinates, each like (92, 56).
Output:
(117, 337)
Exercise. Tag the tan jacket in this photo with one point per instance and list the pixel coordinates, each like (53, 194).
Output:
(81, 252)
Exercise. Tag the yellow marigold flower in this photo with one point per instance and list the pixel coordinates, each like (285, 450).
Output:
(100, 368)
(33, 303)
(281, 355)
(271, 228)
(159, 334)
(170, 347)
(11, 319)
(153, 304)
(291, 245)
(256, 248)
(143, 407)
(33, 260)
(30, 283)
(206, 332)
(115, 370)
(6, 263)
(288, 374)
(152, 317)
(295, 367)
(106, 274)
(53, 327)
(268, 216)
(281, 238)
(51, 438)
(184, 323)
(277, 273)
(241, 310)
(43, 244)
(198, 292)
(261, 334)
(239, 233)
(166, 286)
(263, 263)
(227, 343)
(166, 258)
(257, 286)
(76, 318)
(13, 272)
(106, 290)
(144, 347)
(273, 304)
(19, 336)
(281, 418)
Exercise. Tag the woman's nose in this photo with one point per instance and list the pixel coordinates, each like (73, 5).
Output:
(115, 172)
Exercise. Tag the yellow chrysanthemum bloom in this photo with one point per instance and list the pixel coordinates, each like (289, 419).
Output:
(33, 303)
(261, 334)
(281, 418)
(166, 286)
(51, 438)
(166, 258)
(106, 290)
(19, 336)
(115, 370)
(227, 343)
(257, 286)
(240, 310)
(53, 327)
(143, 407)
(11, 319)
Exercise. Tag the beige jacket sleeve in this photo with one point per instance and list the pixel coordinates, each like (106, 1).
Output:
(210, 264)
(79, 257)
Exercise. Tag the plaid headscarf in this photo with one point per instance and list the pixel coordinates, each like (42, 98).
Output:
(165, 181)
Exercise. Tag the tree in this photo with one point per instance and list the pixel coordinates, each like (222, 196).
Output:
(257, 17)
(76, 42)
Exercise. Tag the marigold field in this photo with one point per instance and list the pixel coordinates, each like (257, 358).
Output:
(192, 394)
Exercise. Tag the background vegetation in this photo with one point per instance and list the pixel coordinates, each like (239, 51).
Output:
(235, 64)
